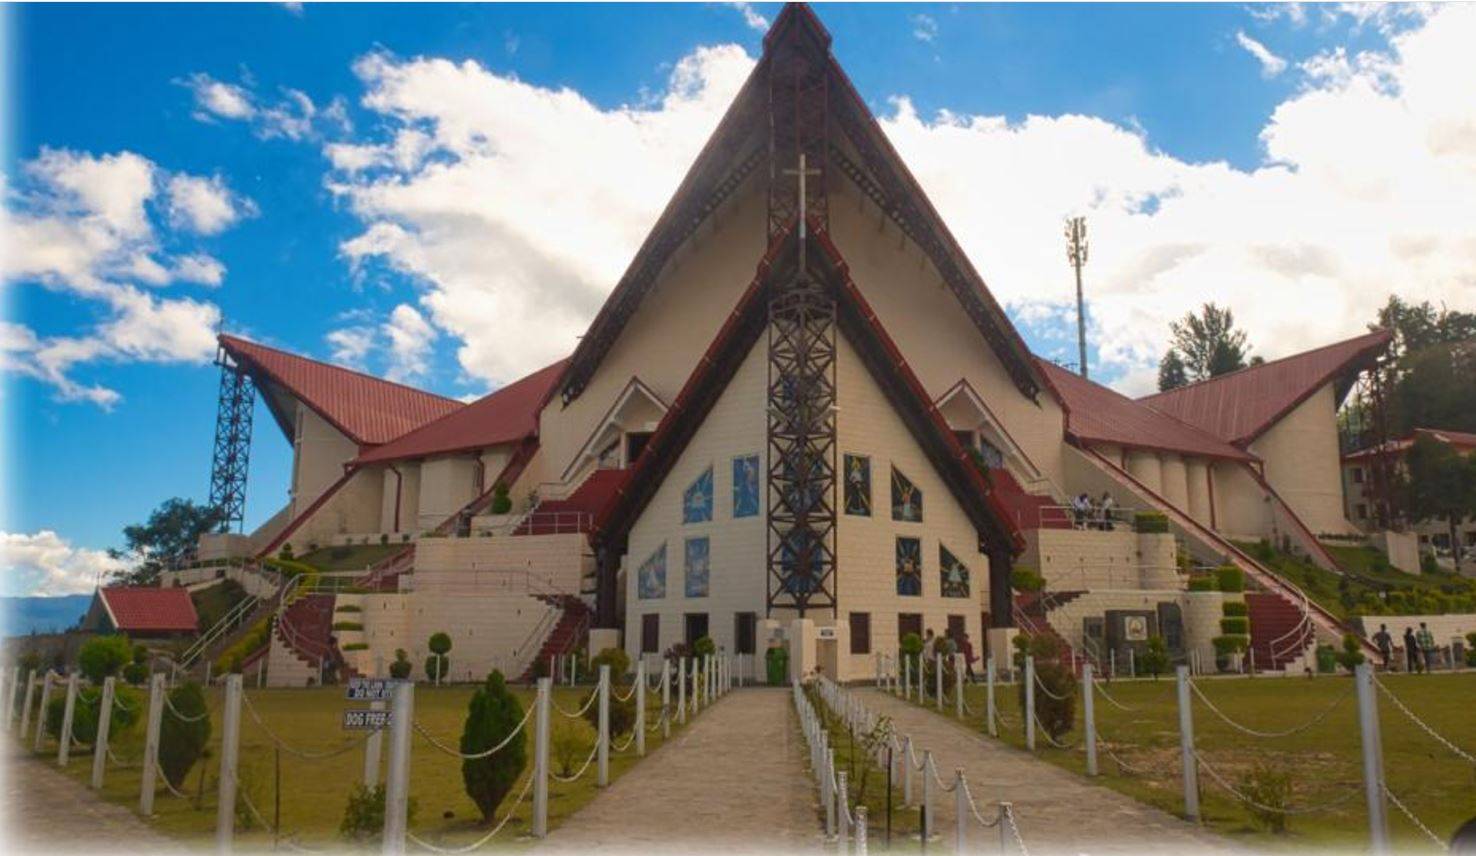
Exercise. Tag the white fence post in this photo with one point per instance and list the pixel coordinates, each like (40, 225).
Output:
(859, 839)
(960, 812)
(13, 690)
(682, 690)
(41, 709)
(958, 685)
(1003, 823)
(151, 745)
(907, 678)
(230, 746)
(64, 739)
(1088, 712)
(640, 691)
(397, 777)
(26, 707)
(372, 750)
(104, 725)
(827, 792)
(926, 810)
(604, 745)
(1186, 746)
(540, 759)
(907, 770)
(665, 698)
(1373, 761)
(1029, 689)
(938, 680)
(990, 719)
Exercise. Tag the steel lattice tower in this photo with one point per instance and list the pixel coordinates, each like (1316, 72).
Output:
(232, 444)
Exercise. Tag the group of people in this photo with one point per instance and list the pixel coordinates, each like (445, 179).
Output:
(1088, 513)
(1419, 648)
(961, 644)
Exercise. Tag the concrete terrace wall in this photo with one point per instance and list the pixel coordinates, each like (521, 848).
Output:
(1201, 611)
(489, 630)
(932, 330)
(1077, 559)
(559, 560)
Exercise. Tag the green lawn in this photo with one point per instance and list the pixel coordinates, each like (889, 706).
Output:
(350, 558)
(314, 793)
(868, 785)
(1323, 761)
(1371, 586)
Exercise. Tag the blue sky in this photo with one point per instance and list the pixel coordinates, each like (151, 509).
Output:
(1146, 117)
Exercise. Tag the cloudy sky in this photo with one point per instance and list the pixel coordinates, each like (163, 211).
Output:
(443, 195)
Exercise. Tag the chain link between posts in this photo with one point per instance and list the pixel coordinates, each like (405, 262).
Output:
(1422, 724)
(304, 754)
(1415, 820)
(456, 753)
(169, 705)
(1219, 779)
(475, 845)
(1320, 716)
(592, 752)
(578, 713)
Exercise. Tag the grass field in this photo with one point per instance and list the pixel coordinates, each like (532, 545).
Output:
(1323, 761)
(314, 793)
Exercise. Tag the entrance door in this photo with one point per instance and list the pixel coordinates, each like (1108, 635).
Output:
(696, 627)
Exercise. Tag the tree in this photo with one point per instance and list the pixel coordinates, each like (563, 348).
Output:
(102, 656)
(1440, 484)
(437, 663)
(400, 669)
(1208, 343)
(1432, 357)
(491, 716)
(168, 537)
(1171, 373)
(183, 734)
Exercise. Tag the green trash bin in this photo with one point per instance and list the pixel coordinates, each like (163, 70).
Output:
(1327, 659)
(776, 663)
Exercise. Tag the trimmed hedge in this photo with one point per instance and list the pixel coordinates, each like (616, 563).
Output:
(1235, 625)
(1229, 578)
(259, 636)
(1236, 607)
(1150, 522)
(1230, 643)
(348, 625)
(1202, 583)
(356, 646)
(349, 607)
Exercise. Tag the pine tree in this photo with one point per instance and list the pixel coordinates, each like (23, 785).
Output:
(1208, 342)
(1171, 371)
(491, 716)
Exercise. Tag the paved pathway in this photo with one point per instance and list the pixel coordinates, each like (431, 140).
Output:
(735, 781)
(1059, 812)
(47, 812)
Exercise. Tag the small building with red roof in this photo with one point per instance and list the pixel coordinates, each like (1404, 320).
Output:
(142, 613)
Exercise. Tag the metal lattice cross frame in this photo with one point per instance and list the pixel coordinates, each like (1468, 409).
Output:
(232, 453)
(802, 448)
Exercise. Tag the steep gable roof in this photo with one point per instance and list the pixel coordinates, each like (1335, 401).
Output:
(144, 610)
(856, 320)
(1461, 441)
(504, 416)
(367, 409)
(1096, 414)
(733, 154)
(1240, 406)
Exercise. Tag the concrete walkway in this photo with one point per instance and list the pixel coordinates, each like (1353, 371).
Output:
(48, 812)
(734, 781)
(1058, 812)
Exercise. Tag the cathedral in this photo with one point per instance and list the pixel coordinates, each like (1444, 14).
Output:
(801, 420)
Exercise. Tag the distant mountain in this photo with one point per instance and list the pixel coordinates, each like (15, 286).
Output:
(19, 616)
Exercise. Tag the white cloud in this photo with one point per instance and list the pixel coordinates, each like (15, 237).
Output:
(44, 563)
(351, 345)
(1271, 64)
(291, 116)
(483, 188)
(751, 17)
(410, 339)
(205, 205)
(82, 224)
(924, 28)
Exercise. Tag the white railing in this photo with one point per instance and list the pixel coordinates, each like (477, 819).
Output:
(1120, 516)
(1118, 575)
(485, 581)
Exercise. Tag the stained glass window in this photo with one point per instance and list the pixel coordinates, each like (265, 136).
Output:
(697, 499)
(651, 577)
(696, 567)
(906, 499)
(909, 567)
(746, 486)
(953, 574)
(858, 485)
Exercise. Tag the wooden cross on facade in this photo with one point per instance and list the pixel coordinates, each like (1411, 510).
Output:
(803, 207)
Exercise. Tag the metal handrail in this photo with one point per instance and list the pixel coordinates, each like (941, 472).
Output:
(483, 580)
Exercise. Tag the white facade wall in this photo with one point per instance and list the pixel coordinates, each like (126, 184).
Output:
(447, 484)
(1081, 559)
(489, 630)
(1196, 472)
(1175, 477)
(1147, 469)
(1302, 463)
(558, 561)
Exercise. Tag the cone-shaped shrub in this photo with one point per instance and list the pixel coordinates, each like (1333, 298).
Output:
(491, 716)
(180, 742)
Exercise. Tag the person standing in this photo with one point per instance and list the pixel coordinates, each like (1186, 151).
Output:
(1411, 651)
(930, 644)
(1426, 640)
(1385, 644)
(1107, 506)
(966, 648)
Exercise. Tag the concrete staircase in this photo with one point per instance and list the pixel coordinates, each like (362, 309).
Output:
(1032, 616)
(301, 641)
(577, 512)
(567, 635)
(1275, 626)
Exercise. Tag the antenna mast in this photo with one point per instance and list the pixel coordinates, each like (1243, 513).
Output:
(1076, 254)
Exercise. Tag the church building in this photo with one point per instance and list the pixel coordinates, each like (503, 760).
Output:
(799, 419)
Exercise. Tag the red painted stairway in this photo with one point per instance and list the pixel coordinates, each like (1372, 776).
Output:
(1031, 610)
(577, 512)
(568, 633)
(1273, 620)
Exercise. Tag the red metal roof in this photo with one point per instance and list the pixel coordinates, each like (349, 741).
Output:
(367, 409)
(1096, 414)
(136, 610)
(1240, 406)
(504, 416)
(1460, 440)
